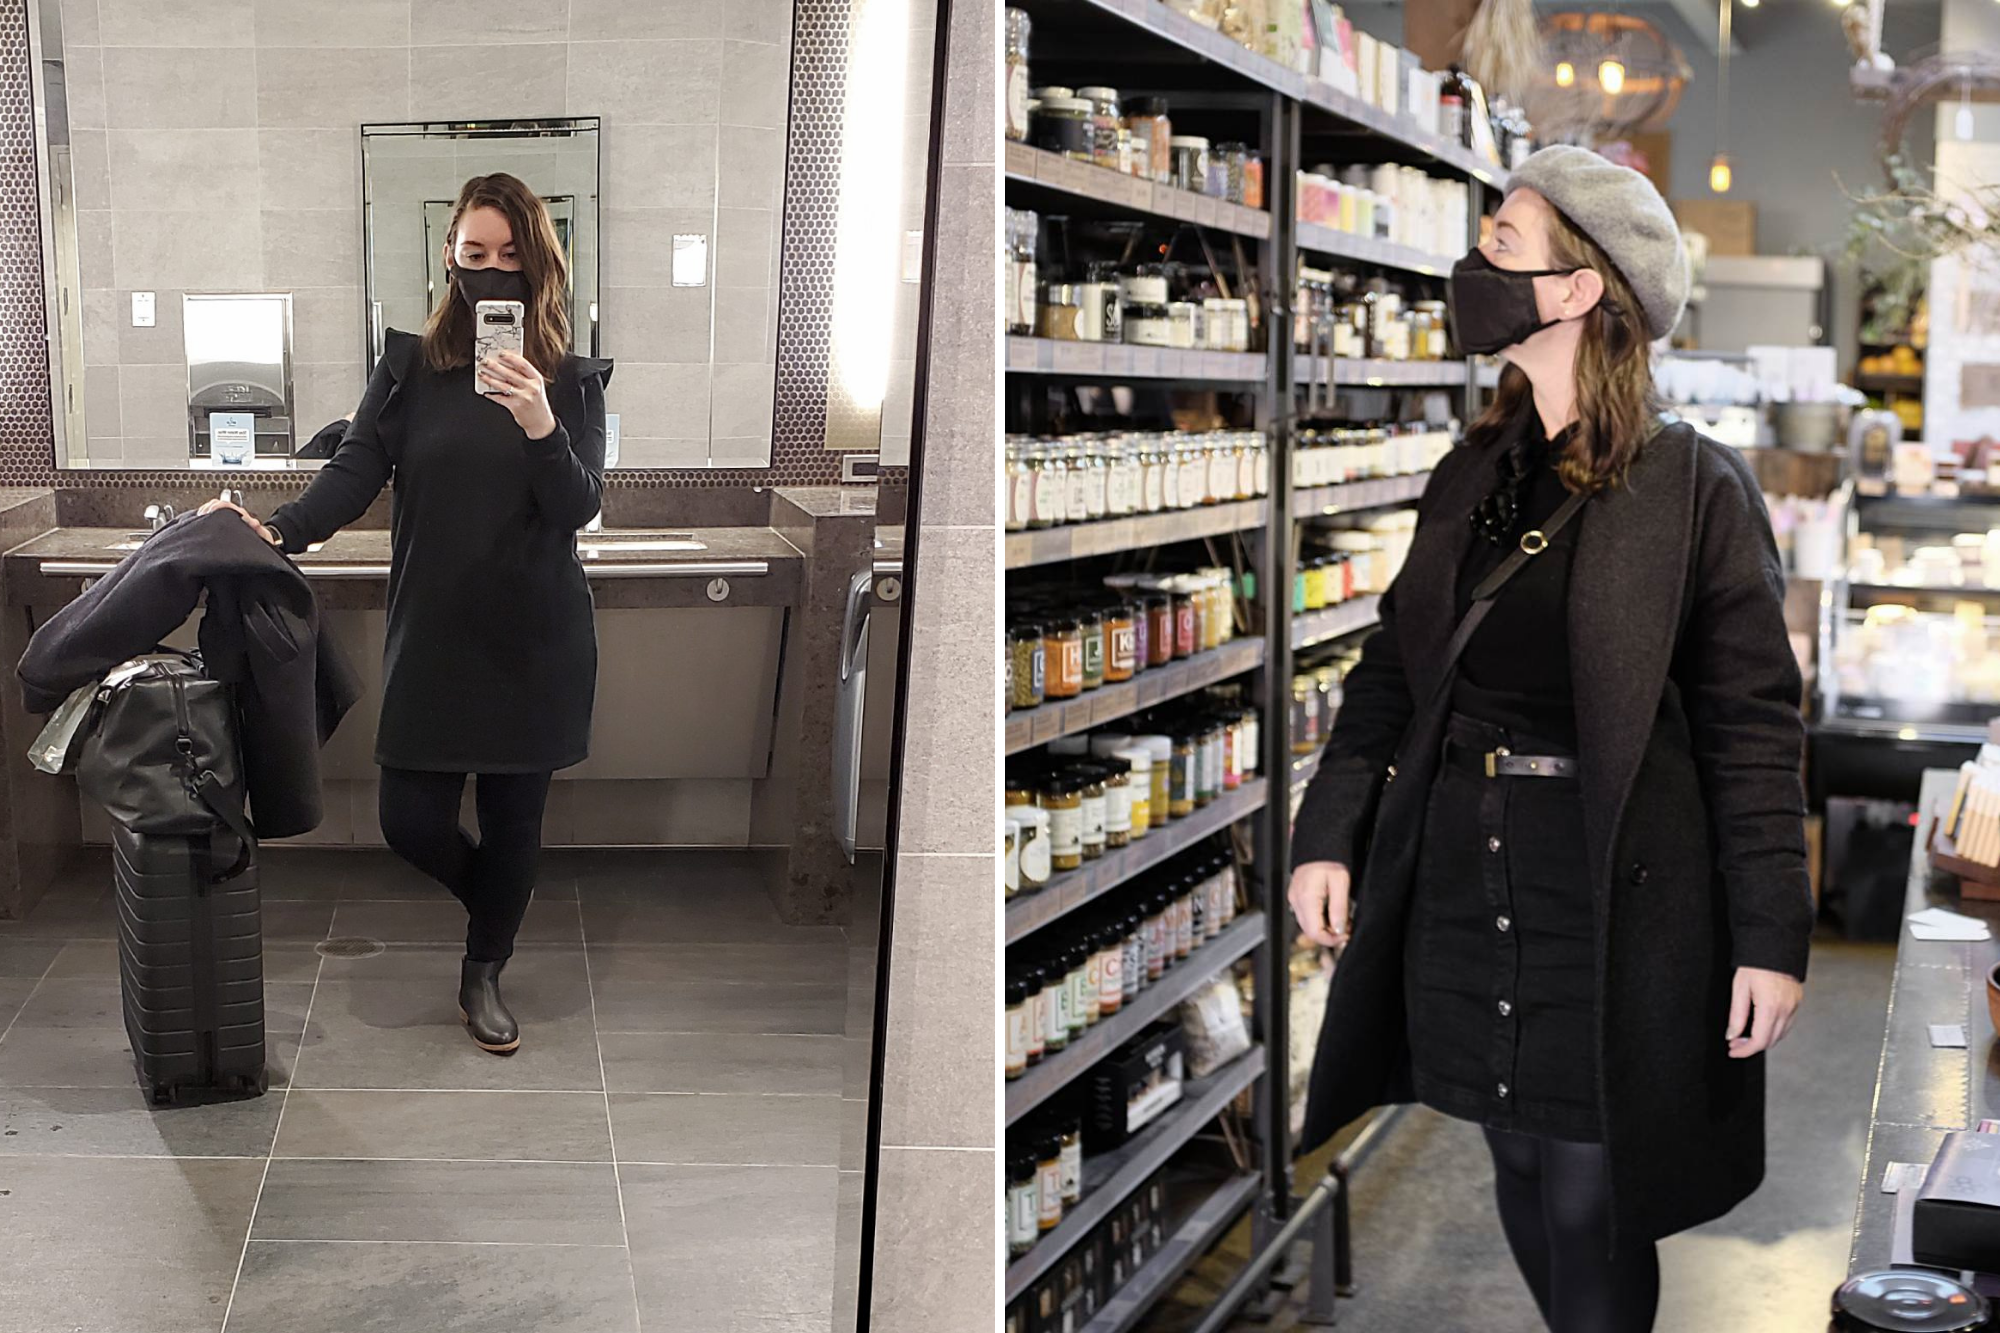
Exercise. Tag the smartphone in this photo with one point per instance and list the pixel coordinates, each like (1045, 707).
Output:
(496, 327)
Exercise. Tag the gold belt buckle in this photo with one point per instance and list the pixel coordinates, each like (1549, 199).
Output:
(1492, 755)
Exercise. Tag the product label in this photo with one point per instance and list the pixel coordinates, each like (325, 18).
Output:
(1118, 809)
(1048, 1185)
(1034, 858)
(1155, 498)
(1066, 831)
(1017, 100)
(1093, 821)
(1093, 658)
(1065, 1011)
(1017, 1035)
(1024, 1219)
(1124, 648)
(1070, 666)
(1024, 287)
(1222, 476)
(1097, 491)
(1111, 971)
(1011, 865)
(1010, 293)
(1194, 483)
(1076, 496)
(1038, 663)
(1021, 500)
(1038, 1021)
(1071, 1165)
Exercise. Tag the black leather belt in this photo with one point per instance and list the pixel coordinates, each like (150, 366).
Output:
(1504, 763)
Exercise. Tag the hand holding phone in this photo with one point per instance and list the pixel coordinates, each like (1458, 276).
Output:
(497, 327)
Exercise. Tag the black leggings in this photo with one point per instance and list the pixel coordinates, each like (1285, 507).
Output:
(1555, 1205)
(494, 877)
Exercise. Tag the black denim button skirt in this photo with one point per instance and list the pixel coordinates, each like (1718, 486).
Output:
(1498, 962)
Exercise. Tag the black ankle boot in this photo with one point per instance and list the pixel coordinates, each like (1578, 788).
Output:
(484, 1012)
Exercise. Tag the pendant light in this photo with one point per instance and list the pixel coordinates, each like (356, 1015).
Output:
(1719, 175)
(1611, 75)
(1565, 74)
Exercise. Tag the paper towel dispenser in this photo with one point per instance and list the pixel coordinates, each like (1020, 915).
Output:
(239, 360)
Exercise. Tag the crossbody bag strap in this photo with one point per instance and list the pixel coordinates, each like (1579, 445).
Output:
(1532, 544)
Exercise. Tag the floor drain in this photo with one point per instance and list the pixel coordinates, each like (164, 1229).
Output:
(351, 946)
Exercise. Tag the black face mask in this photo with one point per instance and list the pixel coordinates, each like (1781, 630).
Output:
(1493, 308)
(488, 284)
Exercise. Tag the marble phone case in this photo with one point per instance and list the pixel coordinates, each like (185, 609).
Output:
(496, 327)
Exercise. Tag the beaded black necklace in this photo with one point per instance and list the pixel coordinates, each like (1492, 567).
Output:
(1497, 518)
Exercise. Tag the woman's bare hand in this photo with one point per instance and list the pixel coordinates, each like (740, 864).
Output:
(1318, 896)
(520, 389)
(1765, 1001)
(256, 524)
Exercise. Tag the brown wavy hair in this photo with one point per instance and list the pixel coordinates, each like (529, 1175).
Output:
(1615, 398)
(448, 334)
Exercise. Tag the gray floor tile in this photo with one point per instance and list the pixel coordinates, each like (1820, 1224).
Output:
(637, 1006)
(719, 1128)
(112, 1245)
(117, 1122)
(93, 1002)
(311, 1287)
(561, 1203)
(687, 919)
(761, 964)
(27, 958)
(723, 1249)
(498, 1126)
(86, 959)
(737, 875)
(443, 921)
(68, 1052)
(14, 993)
(392, 1022)
(296, 923)
(705, 1062)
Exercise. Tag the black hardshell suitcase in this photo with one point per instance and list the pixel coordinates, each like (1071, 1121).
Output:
(191, 957)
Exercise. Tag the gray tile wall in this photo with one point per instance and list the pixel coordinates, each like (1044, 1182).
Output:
(217, 149)
(936, 1244)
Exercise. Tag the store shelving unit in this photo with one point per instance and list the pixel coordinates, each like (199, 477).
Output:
(1038, 726)
(1145, 46)
(1076, 541)
(1110, 1177)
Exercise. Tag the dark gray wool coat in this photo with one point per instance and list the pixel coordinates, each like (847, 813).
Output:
(1689, 736)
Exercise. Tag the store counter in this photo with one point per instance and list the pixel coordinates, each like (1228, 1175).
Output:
(1922, 1092)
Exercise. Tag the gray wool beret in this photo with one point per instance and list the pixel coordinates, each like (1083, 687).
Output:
(1620, 210)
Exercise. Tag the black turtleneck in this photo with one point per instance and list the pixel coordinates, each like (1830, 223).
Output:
(1515, 670)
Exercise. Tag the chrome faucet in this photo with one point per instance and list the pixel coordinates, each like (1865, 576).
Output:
(159, 515)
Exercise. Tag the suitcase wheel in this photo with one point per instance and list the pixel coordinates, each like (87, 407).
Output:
(252, 1085)
(161, 1094)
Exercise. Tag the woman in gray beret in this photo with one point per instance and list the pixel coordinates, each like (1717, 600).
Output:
(1562, 798)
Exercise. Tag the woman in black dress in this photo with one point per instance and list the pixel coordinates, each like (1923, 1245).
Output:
(490, 665)
(1581, 910)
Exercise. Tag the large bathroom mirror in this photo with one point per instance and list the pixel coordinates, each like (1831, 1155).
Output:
(276, 151)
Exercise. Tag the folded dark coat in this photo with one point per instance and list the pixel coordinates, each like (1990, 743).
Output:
(1690, 741)
(260, 632)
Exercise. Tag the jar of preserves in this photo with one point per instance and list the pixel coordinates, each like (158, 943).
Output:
(1062, 797)
(1105, 122)
(1145, 325)
(1437, 333)
(1090, 791)
(1132, 933)
(1120, 643)
(1090, 624)
(1152, 138)
(1190, 162)
(1035, 846)
(1029, 664)
(1051, 487)
(1019, 26)
(1181, 791)
(1139, 766)
(1110, 946)
(1096, 480)
(1152, 475)
(1023, 233)
(1117, 802)
(1226, 165)
(1063, 125)
(1160, 630)
(1062, 640)
(1019, 999)
(1020, 484)
(1253, 180)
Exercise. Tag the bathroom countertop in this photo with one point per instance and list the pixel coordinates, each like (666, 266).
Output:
(358, 558)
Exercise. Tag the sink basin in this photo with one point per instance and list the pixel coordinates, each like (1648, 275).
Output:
(132, 542)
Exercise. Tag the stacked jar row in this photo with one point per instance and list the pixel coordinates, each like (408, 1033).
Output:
(1328, 455)
(1390, 203)
(1088, 967)
(1316, 697)
(1336, 316)
(1063, 642)
(1120, 302)
(1080, 478)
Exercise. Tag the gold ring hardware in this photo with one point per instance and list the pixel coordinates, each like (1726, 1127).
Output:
(1533, 542)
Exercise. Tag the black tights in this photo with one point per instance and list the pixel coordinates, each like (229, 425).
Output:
(1555, 1205)
(494, 877)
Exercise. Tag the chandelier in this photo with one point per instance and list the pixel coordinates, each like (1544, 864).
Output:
(1605, 75)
